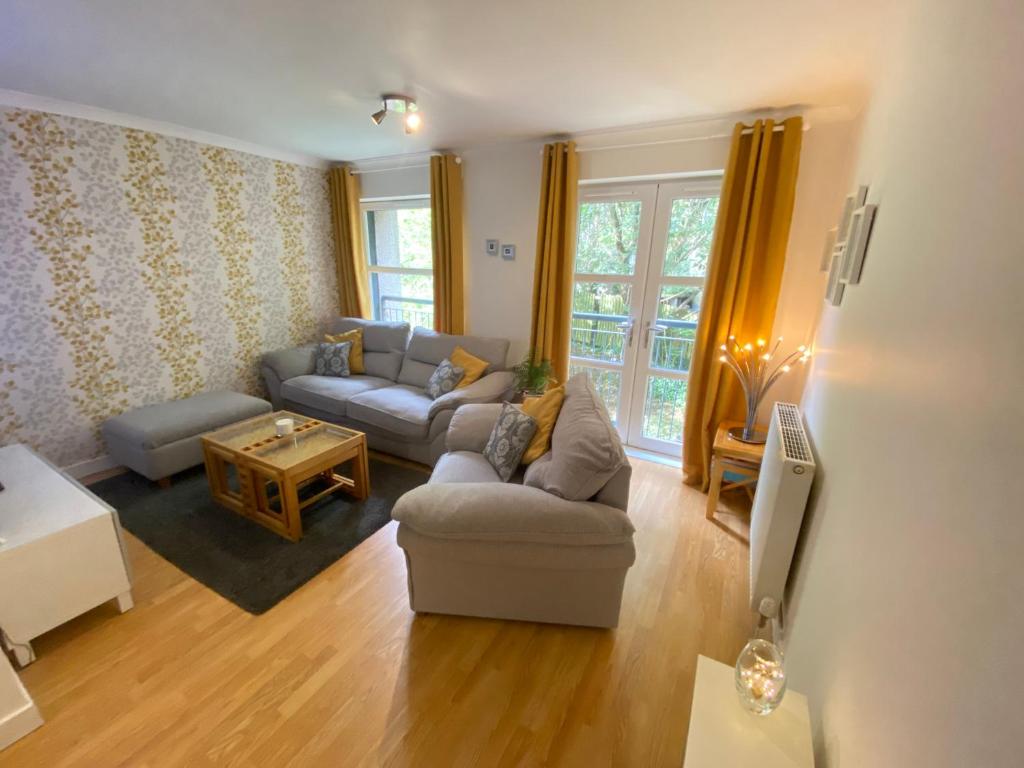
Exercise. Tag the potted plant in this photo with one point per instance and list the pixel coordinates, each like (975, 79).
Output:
(532, 377)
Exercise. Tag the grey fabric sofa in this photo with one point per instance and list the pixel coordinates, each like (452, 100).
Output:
(476, 546)
(388, 402)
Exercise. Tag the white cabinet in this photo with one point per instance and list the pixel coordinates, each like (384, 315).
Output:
(18, 713)
(723, 733)
(61, 552)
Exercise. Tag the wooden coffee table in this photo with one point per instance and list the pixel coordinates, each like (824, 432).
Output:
(272, 470)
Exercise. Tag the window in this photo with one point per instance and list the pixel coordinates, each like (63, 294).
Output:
(400, 260)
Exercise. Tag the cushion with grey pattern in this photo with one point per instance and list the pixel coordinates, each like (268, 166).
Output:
(509, 439)
(332, 359)
(444, 379)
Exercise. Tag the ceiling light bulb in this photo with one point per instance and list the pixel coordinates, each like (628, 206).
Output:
(378, 116)
(413, 122)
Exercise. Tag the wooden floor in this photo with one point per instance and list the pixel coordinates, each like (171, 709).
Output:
(341, 673)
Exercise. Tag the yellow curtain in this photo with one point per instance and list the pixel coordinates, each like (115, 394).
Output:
(744, 273)
(556, 252)
(446, 234)
(349, 259)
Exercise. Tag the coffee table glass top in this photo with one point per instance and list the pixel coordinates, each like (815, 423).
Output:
(250, 431)
(257, 437)
(284, 452)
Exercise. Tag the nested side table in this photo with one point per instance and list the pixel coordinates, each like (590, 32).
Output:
(735, 456)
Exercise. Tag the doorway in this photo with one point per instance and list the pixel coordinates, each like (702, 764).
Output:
(641, 261)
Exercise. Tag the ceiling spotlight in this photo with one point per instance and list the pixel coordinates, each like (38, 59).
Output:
(400, 104)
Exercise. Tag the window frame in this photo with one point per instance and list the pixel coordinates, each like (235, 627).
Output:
(366, 205)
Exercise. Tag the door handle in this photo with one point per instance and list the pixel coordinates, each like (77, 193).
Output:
(627, 327)
(648, 327)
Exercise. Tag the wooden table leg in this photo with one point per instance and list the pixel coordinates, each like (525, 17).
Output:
(361, 474)
(290, 507)
(717, 472)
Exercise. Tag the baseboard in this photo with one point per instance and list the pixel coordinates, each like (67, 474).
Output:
(90, 467)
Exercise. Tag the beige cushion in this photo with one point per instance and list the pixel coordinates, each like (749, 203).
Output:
(504, 512)
(585, 448)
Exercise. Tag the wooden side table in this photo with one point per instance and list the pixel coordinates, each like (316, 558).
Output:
(731, 455)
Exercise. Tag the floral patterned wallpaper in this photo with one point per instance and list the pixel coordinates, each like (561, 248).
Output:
(137, 268)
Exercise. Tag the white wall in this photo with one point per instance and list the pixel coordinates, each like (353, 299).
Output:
(906, 618)
(501, 187)
(826, 167)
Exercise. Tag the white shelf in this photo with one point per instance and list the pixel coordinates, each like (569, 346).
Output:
(723, 733)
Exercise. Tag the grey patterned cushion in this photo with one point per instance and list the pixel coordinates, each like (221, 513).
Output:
(444, 379)
(509, 439)
(331, 359)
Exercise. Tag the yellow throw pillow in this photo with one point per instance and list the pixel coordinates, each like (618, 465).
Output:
(474, 367)
(355, 355)
(544, 410)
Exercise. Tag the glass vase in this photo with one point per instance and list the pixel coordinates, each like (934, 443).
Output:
(760, 677)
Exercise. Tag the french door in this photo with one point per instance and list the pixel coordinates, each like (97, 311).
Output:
(641, 261)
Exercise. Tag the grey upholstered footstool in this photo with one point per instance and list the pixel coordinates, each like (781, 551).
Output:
(159, 440)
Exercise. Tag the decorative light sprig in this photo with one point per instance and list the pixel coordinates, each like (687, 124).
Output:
(753, 366)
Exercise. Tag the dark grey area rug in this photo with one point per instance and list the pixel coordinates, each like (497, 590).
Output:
(237, 558)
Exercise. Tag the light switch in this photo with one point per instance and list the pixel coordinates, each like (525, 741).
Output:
(492, 247)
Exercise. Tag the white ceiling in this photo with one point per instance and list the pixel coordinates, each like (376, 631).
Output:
(303, 76)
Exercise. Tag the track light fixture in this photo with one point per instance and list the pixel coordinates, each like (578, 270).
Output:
(402, 105)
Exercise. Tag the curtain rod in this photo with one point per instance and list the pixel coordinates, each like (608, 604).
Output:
(357, 172)
(681, 140)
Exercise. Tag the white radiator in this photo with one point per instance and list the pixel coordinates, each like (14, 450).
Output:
(786, 475)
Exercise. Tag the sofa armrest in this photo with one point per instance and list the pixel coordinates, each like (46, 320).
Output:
(490, 389)
(471, 427)
(277, 367)
(509, 512)
(289, 363)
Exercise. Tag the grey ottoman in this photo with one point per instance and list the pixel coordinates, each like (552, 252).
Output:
(159, 440)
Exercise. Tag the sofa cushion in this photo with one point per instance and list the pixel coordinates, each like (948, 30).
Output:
(399, 409)
(355, 355)
(329, 394)
(444, 379)
(464, 467)
(509, 439)
(585, 448)
(428, 348)
(545, 410)
(383, 344)
(153, 426)
(331, 359)
(474, 366)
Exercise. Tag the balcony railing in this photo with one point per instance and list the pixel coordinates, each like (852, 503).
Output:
(599, 337)
(403, 309)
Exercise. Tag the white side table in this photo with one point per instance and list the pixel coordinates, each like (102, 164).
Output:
(722, 733)
(61, 553)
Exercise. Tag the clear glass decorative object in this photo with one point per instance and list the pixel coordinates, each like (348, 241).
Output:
(760, 677)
